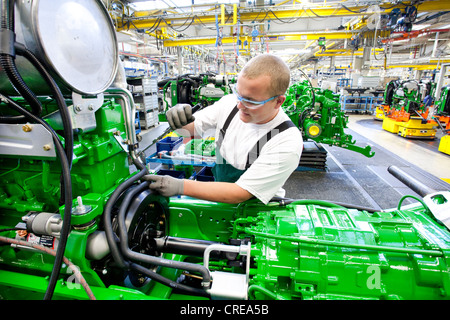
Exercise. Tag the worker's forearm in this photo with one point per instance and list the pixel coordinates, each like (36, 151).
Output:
(187, 131)
(216, 191)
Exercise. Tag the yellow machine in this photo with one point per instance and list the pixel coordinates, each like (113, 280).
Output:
(404, 113)
(417, 128)
(444, 145)
(381, 111)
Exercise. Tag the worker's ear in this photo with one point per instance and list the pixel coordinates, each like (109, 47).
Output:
(280, 100)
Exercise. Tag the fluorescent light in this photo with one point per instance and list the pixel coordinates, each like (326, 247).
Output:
(136, 40)
(420, 26)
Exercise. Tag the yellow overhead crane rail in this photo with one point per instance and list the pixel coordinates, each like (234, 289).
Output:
(228, 39)
(344, 52)
(154, 20)
(414, 66)
(148, 20)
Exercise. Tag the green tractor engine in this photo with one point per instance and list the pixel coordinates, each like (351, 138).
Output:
(319, 116)
(78, 221)
(203, 89)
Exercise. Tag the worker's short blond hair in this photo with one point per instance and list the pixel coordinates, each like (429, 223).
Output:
(271, 65)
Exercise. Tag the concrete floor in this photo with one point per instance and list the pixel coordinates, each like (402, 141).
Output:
(354, 179)
(422, 153)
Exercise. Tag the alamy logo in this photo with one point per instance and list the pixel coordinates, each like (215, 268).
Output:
(73, 281)
(374, 279)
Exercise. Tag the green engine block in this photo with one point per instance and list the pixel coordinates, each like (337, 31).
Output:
(180, 247)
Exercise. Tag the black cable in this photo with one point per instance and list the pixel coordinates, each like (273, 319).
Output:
(172, 284)
(7, 61)
(60, 101)
(360, 11)
(312, 88)
(286, 201)
(65, 229)
(276, 17)
(12, 229)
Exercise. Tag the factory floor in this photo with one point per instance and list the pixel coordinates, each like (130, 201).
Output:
(349, 177)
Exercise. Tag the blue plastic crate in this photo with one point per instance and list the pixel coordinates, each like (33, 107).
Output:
(205, 174)
(173, 173)
(168, 143)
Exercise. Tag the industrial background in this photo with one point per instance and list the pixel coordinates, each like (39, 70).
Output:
(84, 87)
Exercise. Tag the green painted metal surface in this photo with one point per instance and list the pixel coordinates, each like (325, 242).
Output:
(318, 115)
(306, 249)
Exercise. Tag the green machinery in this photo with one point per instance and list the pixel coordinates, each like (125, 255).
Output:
(77, 221)
(410, 99)
(442, 105)
(204, 89)
(442, 117)
(318, 114)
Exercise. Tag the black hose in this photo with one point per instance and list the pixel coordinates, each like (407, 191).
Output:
(111, 237)
(65, 229)
(7, 62)
(62, 106)
(59, 98)
(136, 256)
(174, 285)
(286, 201)
(113, 240)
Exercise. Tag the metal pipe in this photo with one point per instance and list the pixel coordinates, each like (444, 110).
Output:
(415, 185)
(218, 247)
(184, 246)
(129, 114)
(311, 241)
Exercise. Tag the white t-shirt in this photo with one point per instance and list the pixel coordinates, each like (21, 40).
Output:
(278, 158)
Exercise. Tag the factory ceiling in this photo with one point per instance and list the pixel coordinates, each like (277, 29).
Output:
(385, 34)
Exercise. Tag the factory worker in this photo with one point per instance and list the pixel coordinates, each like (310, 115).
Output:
(257, 145)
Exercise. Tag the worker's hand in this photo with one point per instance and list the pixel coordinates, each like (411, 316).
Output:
(165, 185)
(179, 115)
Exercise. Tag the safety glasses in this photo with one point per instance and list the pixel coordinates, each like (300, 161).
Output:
(250, 104)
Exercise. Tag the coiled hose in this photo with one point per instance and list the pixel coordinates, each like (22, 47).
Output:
(119, 247)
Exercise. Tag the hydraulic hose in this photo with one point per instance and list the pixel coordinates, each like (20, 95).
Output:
(111, 237)
(8, 64)
(135, 256)
(174, 285)
(286, 201)
(65, 230)
(59, 98)
(113, 240)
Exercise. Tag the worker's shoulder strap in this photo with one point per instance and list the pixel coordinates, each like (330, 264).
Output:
(223, 131)
(254, 153)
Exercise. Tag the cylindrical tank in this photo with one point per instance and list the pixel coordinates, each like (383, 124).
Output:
(75, 39)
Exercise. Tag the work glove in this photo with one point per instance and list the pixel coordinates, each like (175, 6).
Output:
(179, 115)
(165, 185)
